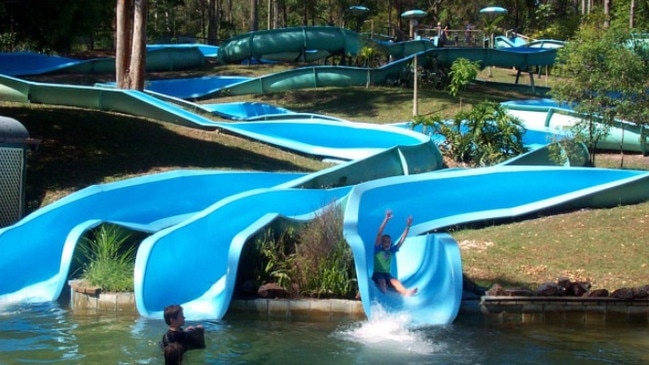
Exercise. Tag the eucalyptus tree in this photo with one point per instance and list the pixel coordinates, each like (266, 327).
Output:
(635, 14)
(130, 39)
(604, 79)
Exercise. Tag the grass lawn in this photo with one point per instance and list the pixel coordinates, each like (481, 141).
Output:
(81, 147)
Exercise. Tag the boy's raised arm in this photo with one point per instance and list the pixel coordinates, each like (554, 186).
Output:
(388, 216)
(405, 232)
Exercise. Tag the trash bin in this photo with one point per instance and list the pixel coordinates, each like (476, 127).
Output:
(14, 146)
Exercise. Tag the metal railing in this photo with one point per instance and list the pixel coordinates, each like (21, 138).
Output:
(455, 37)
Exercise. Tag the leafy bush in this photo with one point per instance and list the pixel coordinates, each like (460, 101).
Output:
(371, 56)
(108, 257)
(267, 257)
(463, 72)
(324, 264)
(484, 136)
(311, 259)
(277, 248)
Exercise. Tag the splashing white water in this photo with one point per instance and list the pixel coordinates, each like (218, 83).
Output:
(390, 330)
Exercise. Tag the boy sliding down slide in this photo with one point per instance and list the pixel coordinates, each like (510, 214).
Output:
(383, 253)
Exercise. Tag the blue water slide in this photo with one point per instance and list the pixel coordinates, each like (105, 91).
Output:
(506, 42)
(325, 137)
(550, 115)
(38, 249)
(442, 199)
(312, 136)
(199, 258)
(159, 57)
(302, 133)
(546, 43)
(189, 88)
(245, 110)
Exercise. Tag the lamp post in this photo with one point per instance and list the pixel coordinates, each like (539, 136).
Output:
(413, 15)
(491, 10)
(359, 12)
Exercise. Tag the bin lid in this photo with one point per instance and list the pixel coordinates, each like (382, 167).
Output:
(12, 131)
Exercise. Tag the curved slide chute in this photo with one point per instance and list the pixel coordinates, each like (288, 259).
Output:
(290, 44)
(207, 248)
(34, 247)
(317, 137)
(159, 58)
(446, 198)
(507, 42)
(430, 262)
(152, 203)
(547, 114)
(324, 76)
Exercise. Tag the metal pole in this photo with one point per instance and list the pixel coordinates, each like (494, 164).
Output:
(415, 107)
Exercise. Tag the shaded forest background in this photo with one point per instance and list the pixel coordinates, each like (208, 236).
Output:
(66, 26)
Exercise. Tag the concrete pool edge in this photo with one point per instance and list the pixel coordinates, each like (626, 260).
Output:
(494, 309)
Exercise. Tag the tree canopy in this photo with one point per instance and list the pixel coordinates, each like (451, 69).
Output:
(61, 25)
(604, 80)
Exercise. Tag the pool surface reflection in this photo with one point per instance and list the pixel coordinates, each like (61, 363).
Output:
(51, 334)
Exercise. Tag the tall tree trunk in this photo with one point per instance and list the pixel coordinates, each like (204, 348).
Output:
(212, 22)
(275, 21)
(281, 15)
(130, 50)
(254, 21)
(138, 55)
(305, 20)
(123, 42)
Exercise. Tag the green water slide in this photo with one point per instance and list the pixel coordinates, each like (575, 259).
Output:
(130, 102)
(158, 59)
(290, 44)
(324, 76)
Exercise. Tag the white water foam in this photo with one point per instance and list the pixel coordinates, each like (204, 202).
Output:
(391, 330)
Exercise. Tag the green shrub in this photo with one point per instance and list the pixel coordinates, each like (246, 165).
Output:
(267, 256)
(463, 72)
(311, 259)
(277, 248)
(108, 257)
(484, 136)
(324, 264)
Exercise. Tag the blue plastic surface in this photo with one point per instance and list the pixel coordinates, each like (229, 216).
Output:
(38, 249)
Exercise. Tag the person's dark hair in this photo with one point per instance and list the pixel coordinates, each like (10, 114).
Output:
(174, 353)
(171, 312)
